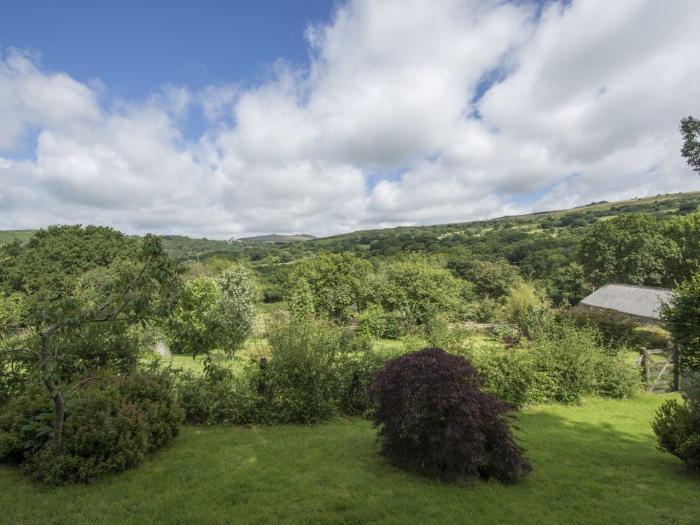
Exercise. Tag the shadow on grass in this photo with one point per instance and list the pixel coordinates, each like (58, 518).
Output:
(592, 464)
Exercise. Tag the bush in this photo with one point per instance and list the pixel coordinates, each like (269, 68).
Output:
(677, 427)
(440, 332)
(373, 321)
(615, 329)
(110, 425)
(528, 309)
(681, 319)
(219, 396)
(299, 383)
(560, 365)
(213, 313)
(509, 375)
(356, 377)
(489, 310)
(570, 362)
(314, 372)
(613, 377)
(432, 416)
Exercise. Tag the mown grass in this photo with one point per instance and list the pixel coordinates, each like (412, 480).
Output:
(595, 463)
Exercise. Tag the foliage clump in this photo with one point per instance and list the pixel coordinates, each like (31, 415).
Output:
(682, 319)
(433, 416)
(560, 364)
(111, 423)
(677, 424)
(312, 372)
(213, 312)
(677, 427)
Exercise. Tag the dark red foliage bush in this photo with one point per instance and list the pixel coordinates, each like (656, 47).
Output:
(432, 416)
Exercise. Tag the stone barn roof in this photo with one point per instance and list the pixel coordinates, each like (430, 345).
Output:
(640, 301)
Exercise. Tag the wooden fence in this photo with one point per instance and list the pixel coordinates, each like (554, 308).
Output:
(660, 370)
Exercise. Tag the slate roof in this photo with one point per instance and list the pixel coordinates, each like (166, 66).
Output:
(642, 301)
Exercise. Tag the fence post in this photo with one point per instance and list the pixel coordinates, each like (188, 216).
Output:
(645, 366)
(679, 370)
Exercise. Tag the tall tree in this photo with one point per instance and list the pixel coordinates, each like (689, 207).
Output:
(690, 130)
(629, 249)
(338, 284)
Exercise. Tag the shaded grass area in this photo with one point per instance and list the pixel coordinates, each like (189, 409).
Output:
(595, 463)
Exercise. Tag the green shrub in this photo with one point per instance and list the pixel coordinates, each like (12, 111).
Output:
(677, 427)
(489, 310)
(300, 383)
(111, 424)
(396, 325)
(356, 376)
(441, 332)
(510, 375)
(153, 392)
(613, 377)
(559, 365)
(373, 321)
(314, 372)
(615, 329)
(25, 424)
(219, 396)
(528, 309)
(681, 319)
(563, 365)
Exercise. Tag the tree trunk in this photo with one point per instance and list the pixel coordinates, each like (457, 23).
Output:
(59, 408)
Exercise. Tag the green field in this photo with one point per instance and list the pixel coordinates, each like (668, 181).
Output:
(595, 463)
(7, 236)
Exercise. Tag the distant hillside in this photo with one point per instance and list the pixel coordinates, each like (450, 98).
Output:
(509, 229)
(275, 238)
(489, 236)
(7, 236)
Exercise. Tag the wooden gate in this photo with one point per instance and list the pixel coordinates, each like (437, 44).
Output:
(659, 369)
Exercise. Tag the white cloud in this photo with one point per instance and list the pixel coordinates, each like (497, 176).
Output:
(586, 108)
(29, 97)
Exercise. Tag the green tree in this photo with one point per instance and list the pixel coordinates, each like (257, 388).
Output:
(677, 422)
(690, 130)
(493, 278)
(55, 256)
(685, 232)
(682, 319)
(568, 285)
(102, 304)
(417, 290)
(631, 249)
(301, 299)
(338, 284)
(213, 313)
(194, 326)
(237, 305)
(373, 321)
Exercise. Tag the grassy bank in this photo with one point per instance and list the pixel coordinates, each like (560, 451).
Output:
(595, 463)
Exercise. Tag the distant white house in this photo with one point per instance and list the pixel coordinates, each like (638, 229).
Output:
(641, 302)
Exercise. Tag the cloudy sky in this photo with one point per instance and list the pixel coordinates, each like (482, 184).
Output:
(321, 117)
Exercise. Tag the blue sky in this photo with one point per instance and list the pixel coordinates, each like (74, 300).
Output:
(235, 118)
(134, 47)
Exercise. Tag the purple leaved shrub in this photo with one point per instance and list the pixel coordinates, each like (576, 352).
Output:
(432, 416)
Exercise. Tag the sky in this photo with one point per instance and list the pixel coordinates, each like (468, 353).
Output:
(223, 119)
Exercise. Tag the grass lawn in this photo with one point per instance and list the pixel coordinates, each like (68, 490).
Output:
(595, 463)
